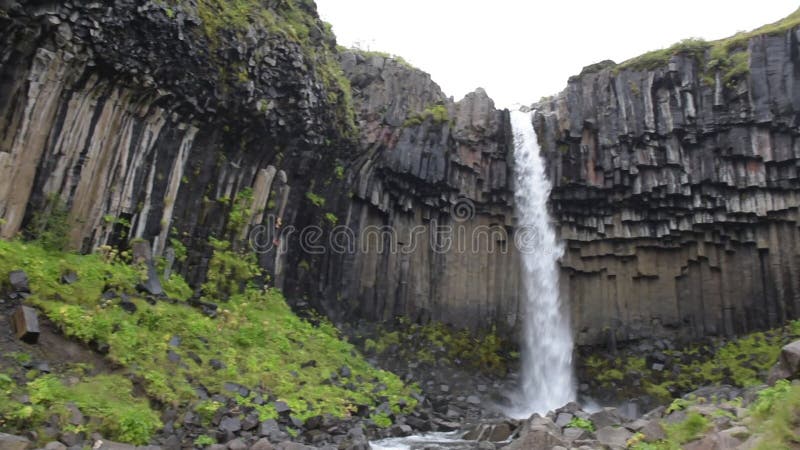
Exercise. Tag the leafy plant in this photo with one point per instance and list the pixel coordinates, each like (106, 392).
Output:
(577, 422)
(438, 114)
(204, 440)
(50, 227)
(315, 199)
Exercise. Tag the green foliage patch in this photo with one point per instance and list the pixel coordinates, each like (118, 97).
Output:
(437, 114)
(777, 416)
(743, 362)
(106, 399)
(256, 339)
(578, 422)
(436, 342)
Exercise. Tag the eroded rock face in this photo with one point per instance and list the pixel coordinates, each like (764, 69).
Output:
(677, 195)
(142, 124)
(414, 177)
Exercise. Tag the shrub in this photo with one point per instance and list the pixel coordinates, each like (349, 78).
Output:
(578, 422)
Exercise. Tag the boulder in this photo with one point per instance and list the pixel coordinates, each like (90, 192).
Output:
(55, 445)
(102, 444)
(69, 277)
(230, 424)
(12, 442)
(614, 437)
(18, 280)
(262, 444)
(788, 365)
(605, 417)
(535, 437)
(237, 444)
(26, 324)
(652, 431)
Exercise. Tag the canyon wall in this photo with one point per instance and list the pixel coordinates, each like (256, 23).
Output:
(676, 192)
(141, 119)
(434, 175)
(675, 182)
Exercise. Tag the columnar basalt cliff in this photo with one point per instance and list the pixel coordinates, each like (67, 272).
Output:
(148, 119)
(436, 173)
(144, 120)
(676, 190)
(675, 174)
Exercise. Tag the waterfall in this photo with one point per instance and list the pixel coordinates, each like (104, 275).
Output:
(547, 381)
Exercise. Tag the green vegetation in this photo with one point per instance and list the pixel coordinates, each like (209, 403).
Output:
(438, 114)
(331, 218)
(578, 422)
(691, 428)
(777, 416)
(372, 53)
(294, 20)
(316, 200)
(728, 56)
(338, 171)
(107, 399)
(742, 362)
(658, 58)
(241, 211)
(256, 340)
(437, 342)
(204, 441)
(50, 226)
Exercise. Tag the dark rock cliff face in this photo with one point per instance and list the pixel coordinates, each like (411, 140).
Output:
(430, 205)
(142, 126)
(677, 195)
(675, 191)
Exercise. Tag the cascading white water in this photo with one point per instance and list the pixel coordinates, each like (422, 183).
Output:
(547, 381)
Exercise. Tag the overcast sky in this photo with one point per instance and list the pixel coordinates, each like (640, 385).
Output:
(521, 50)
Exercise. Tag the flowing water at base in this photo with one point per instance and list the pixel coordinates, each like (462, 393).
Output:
(428, 441)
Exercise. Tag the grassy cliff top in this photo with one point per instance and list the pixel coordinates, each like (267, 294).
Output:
(699, 47)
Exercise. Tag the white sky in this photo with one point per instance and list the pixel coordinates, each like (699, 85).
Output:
(521, 50)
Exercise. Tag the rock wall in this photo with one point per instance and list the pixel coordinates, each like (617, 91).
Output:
(146, 119)
(676, 192)
(441, 188)
(140, 123)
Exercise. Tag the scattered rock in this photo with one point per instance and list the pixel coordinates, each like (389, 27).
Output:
(102, 444)
(613, 437)
(262, 444)
(788, 365)
(535, 437)
(55, 445)
(282, 408)
(268, 427)
(12, 442)
(237, 444)
(26, 324)
(401, 430)
(230, 424)
(605, 417)
(69, 277)
(19, 281)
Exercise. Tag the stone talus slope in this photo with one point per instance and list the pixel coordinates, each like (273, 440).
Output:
(677, 195)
